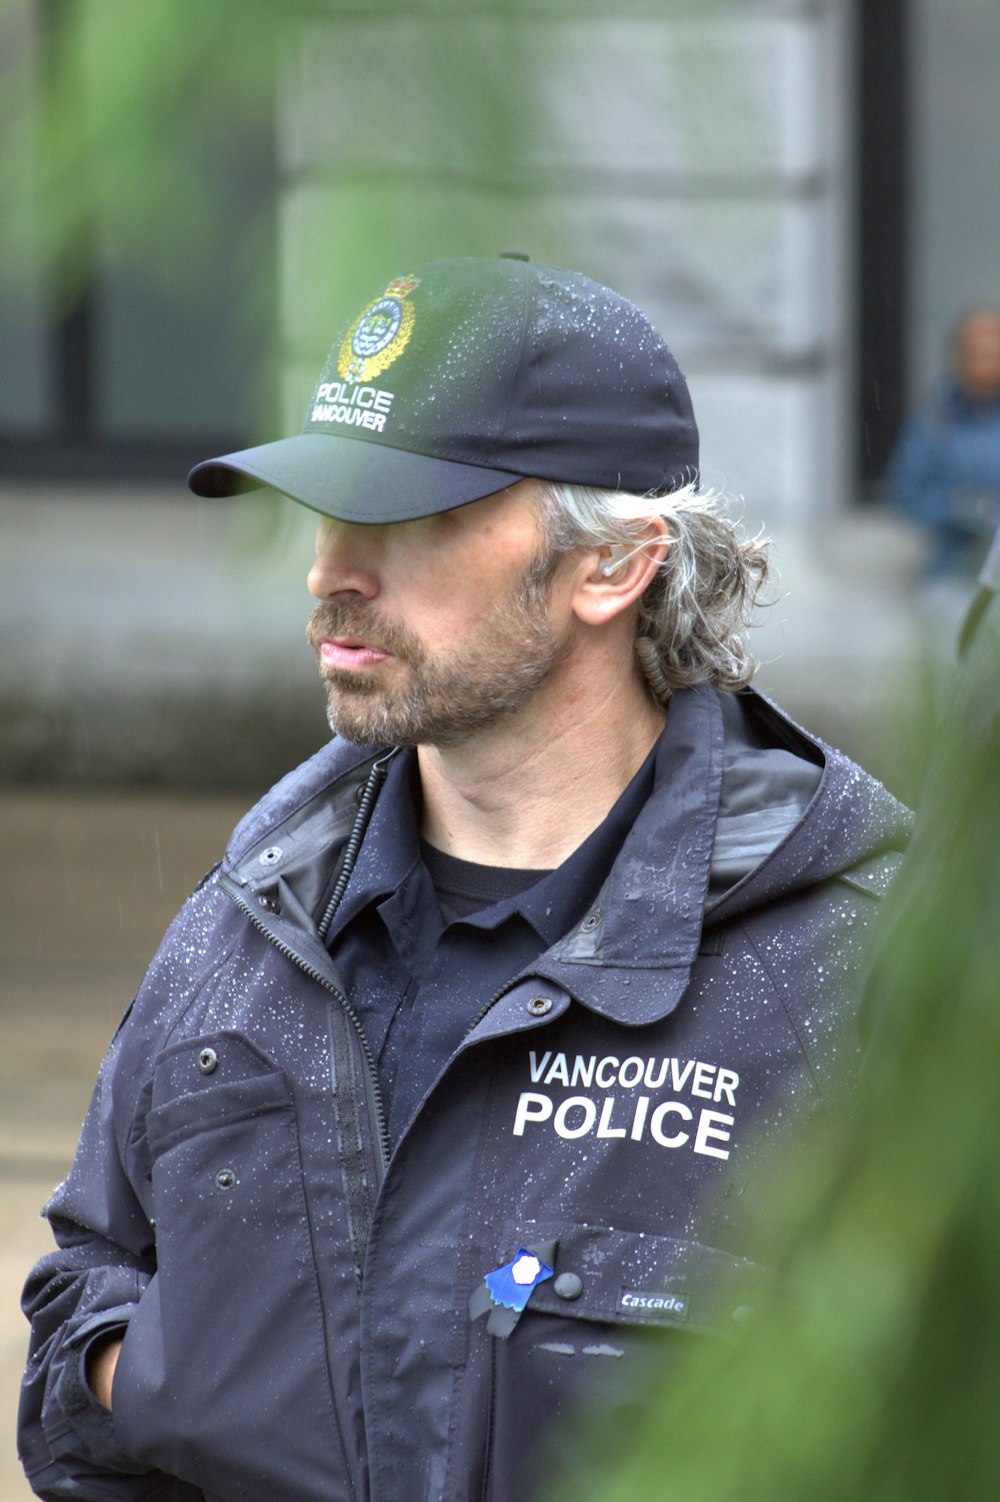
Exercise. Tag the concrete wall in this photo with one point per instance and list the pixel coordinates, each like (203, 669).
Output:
(692, 156)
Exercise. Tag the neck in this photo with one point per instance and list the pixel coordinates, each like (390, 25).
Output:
(530, 789)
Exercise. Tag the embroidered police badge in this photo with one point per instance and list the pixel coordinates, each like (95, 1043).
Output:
(379, 334)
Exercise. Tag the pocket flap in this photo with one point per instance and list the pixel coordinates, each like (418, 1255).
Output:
(611, 1276)
(205, 1081)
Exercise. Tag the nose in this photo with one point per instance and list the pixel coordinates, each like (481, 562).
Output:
(346, 559)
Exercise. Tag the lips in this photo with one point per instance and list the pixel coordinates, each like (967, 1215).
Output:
(350, 653)
(346, 637)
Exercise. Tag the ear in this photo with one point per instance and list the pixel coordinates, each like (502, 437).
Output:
(612, 580)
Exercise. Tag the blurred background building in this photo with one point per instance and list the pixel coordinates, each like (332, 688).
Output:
(799, 192)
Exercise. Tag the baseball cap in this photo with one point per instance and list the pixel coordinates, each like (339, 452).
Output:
(462, 377)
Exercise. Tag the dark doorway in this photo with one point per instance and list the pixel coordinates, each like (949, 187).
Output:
(881, 75)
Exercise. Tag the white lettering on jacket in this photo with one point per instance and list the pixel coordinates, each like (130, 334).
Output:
(671, 1123)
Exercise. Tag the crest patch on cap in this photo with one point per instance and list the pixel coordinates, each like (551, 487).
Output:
(380, 332)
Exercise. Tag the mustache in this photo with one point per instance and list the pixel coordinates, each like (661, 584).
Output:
(348, 618)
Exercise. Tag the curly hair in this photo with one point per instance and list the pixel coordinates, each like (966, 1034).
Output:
(693, 616)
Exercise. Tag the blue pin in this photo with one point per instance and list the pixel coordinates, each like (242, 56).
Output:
(513, 1284)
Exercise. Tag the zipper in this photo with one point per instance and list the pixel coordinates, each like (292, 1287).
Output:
(373, 784)
(315, 974)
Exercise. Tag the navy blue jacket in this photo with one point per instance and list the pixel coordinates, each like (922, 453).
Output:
(945, 474)
(297, 1301)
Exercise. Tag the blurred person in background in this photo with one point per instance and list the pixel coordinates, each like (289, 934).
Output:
(945, 471)
(872, 1369)
(441, 1097)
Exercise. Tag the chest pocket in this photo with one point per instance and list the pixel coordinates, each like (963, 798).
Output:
(210, 1082)
(593, 1337)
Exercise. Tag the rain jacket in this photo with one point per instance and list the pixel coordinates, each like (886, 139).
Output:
(307, 1317)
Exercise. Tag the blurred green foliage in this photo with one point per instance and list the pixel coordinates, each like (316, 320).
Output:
(108, 110)
(271, 162)
(117, 110)
(873, 1372)
(397, 130)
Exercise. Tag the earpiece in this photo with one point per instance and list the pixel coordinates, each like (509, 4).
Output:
(609, 565)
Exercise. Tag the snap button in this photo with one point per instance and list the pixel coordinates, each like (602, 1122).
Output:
(592, 920)
(568, 1286)
(538, 1006)
(225, 1178)
(208, 1060)
(270, 857)
(270, 904)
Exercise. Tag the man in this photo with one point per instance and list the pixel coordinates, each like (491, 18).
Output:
(443, 1090)
(945, 471)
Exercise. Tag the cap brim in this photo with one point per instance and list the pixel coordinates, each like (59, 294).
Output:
(350, 480)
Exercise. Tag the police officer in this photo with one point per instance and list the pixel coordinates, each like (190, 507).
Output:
(446, 1085)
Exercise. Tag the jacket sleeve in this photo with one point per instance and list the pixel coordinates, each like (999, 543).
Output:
(105, 1258)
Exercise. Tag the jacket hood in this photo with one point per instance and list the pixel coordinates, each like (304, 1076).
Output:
(848, 825)
(658, 907)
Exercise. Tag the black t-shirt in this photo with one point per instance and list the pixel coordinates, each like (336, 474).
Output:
(464, 887)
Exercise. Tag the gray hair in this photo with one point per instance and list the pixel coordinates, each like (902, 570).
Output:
(693, 616)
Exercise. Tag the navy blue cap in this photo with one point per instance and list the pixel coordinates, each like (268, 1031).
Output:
(463, 377)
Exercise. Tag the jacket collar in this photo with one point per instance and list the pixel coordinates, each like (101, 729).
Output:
(553, 904)
(631, 958)
(326, 782)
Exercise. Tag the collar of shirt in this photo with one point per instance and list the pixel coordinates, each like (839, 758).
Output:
(389, 858)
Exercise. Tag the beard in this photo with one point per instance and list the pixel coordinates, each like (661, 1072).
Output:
(443, 699)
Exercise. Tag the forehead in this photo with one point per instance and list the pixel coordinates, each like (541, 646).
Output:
(980, 328)
(515, 510)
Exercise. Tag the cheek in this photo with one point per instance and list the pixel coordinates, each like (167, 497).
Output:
(444, 587)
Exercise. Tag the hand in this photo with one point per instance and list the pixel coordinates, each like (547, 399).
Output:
(102, 1358)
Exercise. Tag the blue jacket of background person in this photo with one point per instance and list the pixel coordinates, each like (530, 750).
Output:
(945, 474)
